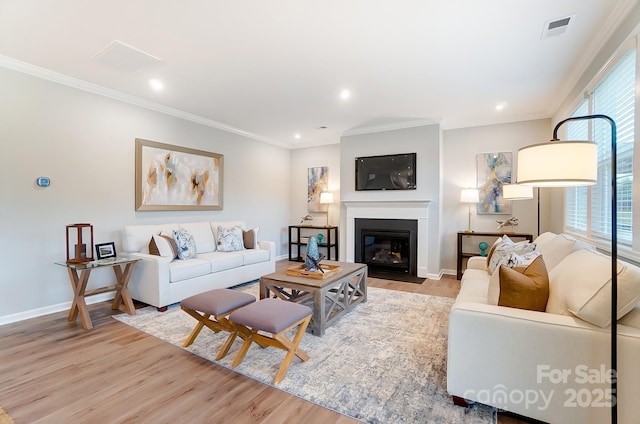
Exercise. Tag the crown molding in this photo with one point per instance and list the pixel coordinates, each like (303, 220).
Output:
(389, 127)
(46, 74)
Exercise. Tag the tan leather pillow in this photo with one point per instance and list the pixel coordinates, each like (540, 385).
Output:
(165, 246)
(525, 288)
(250, 238)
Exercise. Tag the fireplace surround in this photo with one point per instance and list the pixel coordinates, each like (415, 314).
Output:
(406, 209)
(387, 246)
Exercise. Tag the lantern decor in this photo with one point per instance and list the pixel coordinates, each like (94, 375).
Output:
(77, 249)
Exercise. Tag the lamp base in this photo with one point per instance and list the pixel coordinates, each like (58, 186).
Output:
(469, 231)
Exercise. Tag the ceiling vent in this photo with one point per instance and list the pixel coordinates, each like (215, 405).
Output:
(556, 27)
(123, 57)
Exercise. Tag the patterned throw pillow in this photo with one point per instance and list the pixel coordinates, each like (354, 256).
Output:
(511, 254)
(186, 245)
(230, 240)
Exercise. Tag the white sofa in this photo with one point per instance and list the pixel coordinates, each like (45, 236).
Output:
(543, 365)
(162, 281)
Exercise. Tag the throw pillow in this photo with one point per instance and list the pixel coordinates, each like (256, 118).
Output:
(186, 245)
(581, 285)
(524, 287)
(502, 254)
(250, 238)
(161, 245)
(230, 240)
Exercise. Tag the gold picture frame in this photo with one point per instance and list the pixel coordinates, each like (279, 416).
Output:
(174, 178)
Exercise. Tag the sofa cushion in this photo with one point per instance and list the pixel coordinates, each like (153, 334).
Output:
(186, 244)
(632, 319)
(163, 245)
(250, 238)
(225, 224)
(523, 287)
(202, 236)
(254, 256)
(189, 268)
(135, 238)
(221, 261)
(555, 249)
(230, 239)
(581, 285)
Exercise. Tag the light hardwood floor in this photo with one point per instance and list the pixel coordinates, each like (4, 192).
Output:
(53, 371)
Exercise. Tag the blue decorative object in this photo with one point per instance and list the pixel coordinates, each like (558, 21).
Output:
(483, 248)
(320, 237)
(311, 260)
(313, 257)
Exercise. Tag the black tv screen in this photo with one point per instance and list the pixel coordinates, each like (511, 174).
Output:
(388, 172)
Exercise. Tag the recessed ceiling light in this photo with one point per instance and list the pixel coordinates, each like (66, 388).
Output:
(345, 94)
(500, 106)
(156, 84)
(296, 136)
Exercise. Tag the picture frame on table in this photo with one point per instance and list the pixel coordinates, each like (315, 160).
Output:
(106, 250)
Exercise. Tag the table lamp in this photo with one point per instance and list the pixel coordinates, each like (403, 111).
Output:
(326, 198)
(470, 196)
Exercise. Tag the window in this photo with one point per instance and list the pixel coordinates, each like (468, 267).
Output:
(588, 209)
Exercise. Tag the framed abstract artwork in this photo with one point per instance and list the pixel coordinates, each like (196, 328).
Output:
(317, 182)
(170, 178)
(494, 170)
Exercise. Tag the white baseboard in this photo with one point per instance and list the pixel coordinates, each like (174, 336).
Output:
(65, 306)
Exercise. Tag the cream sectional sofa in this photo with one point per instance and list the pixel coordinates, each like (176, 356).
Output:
(162, 281)
(551, 365)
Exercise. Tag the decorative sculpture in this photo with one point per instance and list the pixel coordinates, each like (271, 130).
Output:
(511, 222)
(313, 257)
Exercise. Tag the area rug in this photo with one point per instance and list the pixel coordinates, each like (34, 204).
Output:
(383, 362)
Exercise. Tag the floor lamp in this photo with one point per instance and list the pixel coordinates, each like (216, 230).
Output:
(574, 163)
(519, 192)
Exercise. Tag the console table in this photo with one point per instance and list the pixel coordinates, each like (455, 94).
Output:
(299, 235)
(79, 277)
(469, 249)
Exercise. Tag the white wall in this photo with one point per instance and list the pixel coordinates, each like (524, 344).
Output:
(460, 171)
(423, 140)
(85, 144)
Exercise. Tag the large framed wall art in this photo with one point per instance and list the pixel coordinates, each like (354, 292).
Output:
(317, 182)
(494, 170)
(171, 178)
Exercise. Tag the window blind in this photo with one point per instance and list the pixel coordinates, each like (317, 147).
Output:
(588, 210)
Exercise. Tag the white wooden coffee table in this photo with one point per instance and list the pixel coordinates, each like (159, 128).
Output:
(330, 298)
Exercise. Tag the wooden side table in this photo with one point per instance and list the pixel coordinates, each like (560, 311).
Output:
(79, 277)
(298, 241)
(489, 238)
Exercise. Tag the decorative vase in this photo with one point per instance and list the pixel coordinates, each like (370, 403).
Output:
(320, 237)
(483, 248)
(313, 256)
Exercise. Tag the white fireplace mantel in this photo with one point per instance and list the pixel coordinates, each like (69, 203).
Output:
(405, 209)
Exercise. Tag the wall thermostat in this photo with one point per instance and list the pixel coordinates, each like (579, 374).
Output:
(43, 181)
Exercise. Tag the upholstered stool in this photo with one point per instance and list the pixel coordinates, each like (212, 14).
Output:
(217, 304)
(273, 316)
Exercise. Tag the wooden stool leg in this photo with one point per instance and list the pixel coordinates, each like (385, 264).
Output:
(196, 330)
(243, 349)
(292, 349)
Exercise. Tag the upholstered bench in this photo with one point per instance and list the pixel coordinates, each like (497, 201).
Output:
(217, 304)
(276, 317)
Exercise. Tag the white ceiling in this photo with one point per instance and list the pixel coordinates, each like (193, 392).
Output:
(270, 69)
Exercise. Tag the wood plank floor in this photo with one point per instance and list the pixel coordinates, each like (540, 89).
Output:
(53, 371)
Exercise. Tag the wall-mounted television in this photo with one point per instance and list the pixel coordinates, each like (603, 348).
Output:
(388, 172)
